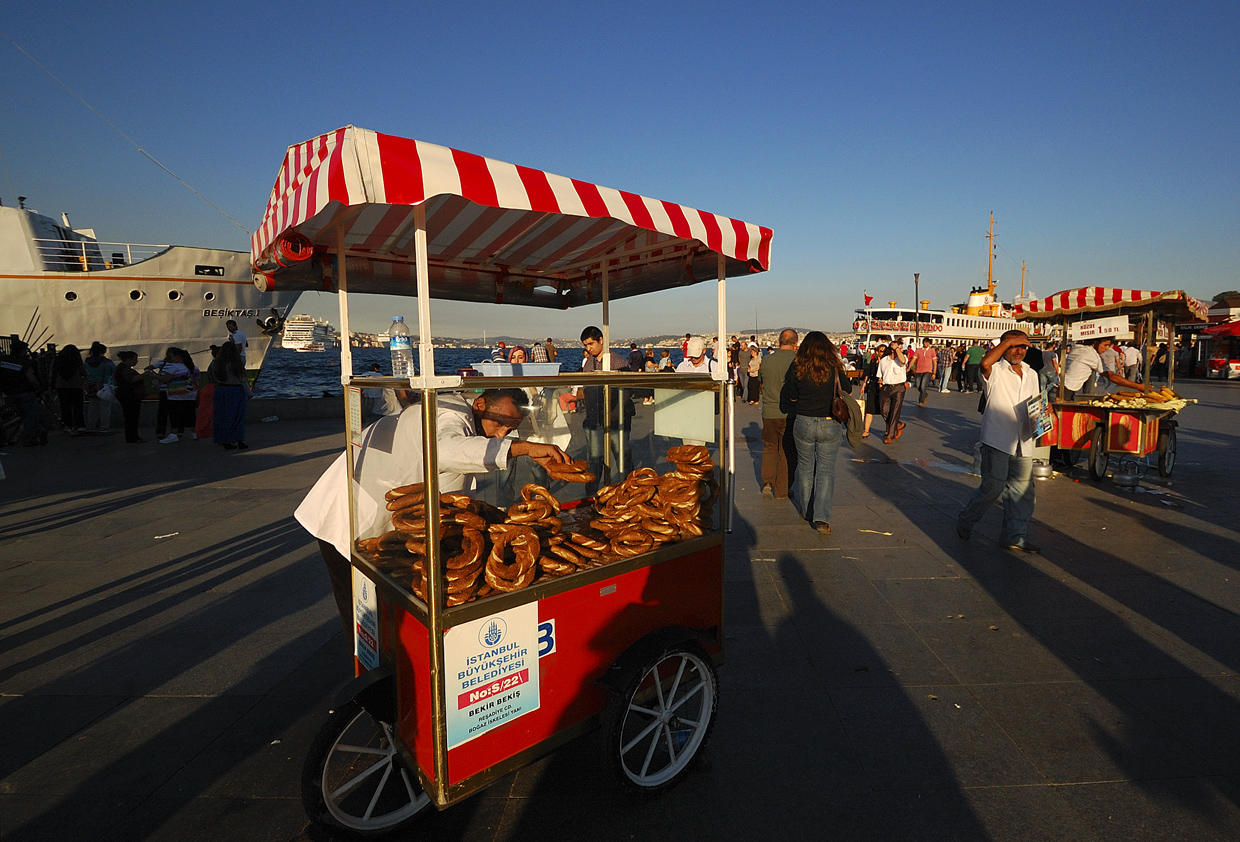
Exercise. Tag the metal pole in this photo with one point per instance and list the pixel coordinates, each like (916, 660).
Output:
(342, 299)
(608, 468)
(426, 350)
(917, 308)
(727, 421)
(435, 589)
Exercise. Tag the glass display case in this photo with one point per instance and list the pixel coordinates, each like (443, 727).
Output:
(488, 523)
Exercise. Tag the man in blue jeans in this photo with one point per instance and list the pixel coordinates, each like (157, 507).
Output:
(1007, 443)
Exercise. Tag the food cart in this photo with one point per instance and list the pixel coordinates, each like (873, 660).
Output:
(1131, 424)
(467, 672)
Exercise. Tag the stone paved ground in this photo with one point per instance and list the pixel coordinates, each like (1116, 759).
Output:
(888, 682)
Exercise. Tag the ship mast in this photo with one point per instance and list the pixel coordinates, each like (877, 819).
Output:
(990, 258)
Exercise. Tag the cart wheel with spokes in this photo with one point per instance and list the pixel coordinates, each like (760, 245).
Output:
(1099, 459)
(354, 778)
(657, 725)
(1166, 450)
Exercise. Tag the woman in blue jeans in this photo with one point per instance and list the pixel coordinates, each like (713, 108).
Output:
(809, 390)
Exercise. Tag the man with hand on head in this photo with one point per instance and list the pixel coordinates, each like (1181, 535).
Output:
(1007, 442)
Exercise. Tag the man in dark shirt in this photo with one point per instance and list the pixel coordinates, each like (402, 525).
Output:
(594, 423)
(637, 358)
(21, 387)
(777, 464)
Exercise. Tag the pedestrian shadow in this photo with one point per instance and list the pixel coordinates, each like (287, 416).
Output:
(1126, 662)
(795, 687)
(145, 594)
(181, 727)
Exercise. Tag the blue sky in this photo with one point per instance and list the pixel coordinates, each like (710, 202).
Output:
(874, 138)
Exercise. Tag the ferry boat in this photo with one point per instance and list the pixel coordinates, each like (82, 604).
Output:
(981, 318)
(60, 285)
(306, 333)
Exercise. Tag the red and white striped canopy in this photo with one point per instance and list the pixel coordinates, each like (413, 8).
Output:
(1105, 299)
(496, 232)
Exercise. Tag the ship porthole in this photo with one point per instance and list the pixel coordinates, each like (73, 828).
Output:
(70, 296)
(136, 294)
(174, 295)
(208, 296)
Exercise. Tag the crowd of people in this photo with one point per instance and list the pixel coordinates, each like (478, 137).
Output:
(803, 386)
(90, 391)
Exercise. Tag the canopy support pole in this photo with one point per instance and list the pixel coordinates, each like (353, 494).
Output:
(609, 469)
(426, 350)
(727, 423)
(342, 295)
(1148, 351)
(606, 318)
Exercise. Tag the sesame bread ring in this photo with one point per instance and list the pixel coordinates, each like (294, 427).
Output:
(643, 476)
(659, 529)
(456, 501)
(523, 580)
(418, 489)
(514, 552)
(572, 476)
(694, 454)
(553, 566)
(630, 542)
(690, 529)
(530, 511)
(533, 491)
(588, 547)
(678, 492)
(566, 553)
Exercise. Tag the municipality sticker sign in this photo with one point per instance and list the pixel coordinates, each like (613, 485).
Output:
(491, 668)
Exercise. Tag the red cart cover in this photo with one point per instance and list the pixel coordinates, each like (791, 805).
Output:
(1224, 329)
(497, 232)
(1106, 299)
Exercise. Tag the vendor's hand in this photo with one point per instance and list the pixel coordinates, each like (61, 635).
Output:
(543, 454)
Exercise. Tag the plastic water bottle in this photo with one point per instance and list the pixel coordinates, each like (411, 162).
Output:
(401, 348)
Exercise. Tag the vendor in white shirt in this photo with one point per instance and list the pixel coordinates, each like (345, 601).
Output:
(1084, 362)
(472, 439)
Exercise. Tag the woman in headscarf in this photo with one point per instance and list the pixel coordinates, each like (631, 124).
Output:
(811, 385)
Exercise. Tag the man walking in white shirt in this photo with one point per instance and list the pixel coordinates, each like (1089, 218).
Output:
(1007, 443)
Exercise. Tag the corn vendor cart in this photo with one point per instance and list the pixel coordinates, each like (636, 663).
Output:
(471, 663)
(1121, 424)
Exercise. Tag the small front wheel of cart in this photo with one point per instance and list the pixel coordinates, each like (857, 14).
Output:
(1166, 450)
(1099, 459)
(659, 723)
(354, 778)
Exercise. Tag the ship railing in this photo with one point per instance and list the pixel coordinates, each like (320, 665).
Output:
(92, 255)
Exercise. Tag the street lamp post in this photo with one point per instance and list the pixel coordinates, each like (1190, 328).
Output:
(916, 309)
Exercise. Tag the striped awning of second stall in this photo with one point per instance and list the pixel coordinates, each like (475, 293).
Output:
(496, 232)
(1176, 303)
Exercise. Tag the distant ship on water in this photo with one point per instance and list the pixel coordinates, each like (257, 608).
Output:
(303, 332)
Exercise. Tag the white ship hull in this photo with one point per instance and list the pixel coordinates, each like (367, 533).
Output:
(179, 295)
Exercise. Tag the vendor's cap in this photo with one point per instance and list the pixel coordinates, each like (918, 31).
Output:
(696, 347)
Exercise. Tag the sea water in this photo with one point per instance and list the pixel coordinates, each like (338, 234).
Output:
(310, 374)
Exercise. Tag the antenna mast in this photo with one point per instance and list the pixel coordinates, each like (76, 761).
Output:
(990, 257)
